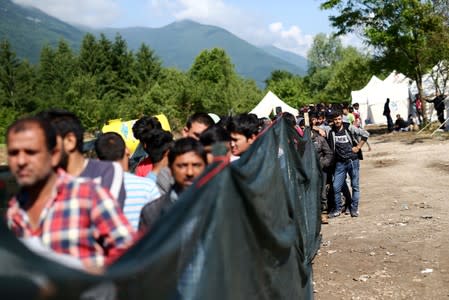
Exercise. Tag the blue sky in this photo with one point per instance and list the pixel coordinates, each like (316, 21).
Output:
(286, 24)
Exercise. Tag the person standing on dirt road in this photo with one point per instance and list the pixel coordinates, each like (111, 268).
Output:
(387, 114)
(438, 104)
(346, 141)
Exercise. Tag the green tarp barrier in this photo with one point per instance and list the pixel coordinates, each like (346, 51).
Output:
(246, 230)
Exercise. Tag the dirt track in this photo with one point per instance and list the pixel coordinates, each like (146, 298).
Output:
(399, 246)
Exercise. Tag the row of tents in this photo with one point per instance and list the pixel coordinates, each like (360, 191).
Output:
(397, 87)
(401, 91)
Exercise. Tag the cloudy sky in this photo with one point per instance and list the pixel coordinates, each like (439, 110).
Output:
(286, 24)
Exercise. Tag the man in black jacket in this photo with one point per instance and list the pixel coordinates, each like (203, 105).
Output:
(346, 143)
(438, 104)
(186, 160)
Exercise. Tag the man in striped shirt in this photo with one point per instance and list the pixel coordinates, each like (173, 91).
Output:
(139, 190)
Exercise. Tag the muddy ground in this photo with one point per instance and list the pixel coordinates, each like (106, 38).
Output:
(398, 248)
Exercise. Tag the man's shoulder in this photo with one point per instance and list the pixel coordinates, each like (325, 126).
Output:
(97, 167)
(153, 209)
(131, 179)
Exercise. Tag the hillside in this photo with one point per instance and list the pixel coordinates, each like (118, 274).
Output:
(178, 44)
(28, 29)
(290, 57)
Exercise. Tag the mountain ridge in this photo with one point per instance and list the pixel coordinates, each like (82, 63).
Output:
(177, 44)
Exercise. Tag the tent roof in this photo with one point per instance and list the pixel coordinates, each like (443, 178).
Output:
(268, 105)
(396, 77)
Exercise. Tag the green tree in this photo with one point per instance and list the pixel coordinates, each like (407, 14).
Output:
(88, 56)
(148, 68)
(349, 73)
(104, 75)
(290, 88)
(325, 51)
(9, 65)
(402, 32)
(213, 75)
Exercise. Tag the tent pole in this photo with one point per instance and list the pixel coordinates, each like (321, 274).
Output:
(440, 127)
(428, 124)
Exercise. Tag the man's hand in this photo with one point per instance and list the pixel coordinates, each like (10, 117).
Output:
(94, 270)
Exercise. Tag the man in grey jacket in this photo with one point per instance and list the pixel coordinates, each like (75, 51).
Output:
(346, 141)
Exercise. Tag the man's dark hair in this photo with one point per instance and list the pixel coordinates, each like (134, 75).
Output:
(246, 124)
(335, 114)
(200, 117)
(144, 124)
(65, 122)
(157, 142)
(214, 134)
(25, 123)
(186, 145)
(110, 146)
(291, 120)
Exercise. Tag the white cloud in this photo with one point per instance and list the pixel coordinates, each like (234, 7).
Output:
(95, 13)
(275, 27)
(291, 39)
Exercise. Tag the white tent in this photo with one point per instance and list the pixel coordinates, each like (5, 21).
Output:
(373, 96)
(268, 105)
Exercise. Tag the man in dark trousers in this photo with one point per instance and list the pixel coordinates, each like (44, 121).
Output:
(387, 114)
(346, 142)
(438, 104)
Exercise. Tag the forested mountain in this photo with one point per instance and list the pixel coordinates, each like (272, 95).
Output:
(178, 44)
(29, 29)
(292, 58)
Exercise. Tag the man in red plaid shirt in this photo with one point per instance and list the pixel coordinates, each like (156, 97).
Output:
(71, 216)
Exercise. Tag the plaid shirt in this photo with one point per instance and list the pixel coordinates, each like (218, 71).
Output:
(80, 219)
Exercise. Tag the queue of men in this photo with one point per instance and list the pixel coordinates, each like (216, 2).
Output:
(88, 211)
(91, 209)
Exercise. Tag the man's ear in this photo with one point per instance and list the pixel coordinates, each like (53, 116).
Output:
(69, 142)
(56, 153)
(251, 139)
(185, 132)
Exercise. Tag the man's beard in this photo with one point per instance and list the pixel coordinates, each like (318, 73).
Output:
(63, 163)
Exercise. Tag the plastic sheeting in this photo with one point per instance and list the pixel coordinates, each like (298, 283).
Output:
(245, 230)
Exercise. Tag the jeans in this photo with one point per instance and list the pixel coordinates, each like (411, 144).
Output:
(352, 168)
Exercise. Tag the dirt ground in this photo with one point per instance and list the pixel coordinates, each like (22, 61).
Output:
(398, 248)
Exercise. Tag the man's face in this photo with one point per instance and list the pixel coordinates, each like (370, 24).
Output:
(28, 157)
(338, 121)
(195, 130)
(186, 168)
(240, 143)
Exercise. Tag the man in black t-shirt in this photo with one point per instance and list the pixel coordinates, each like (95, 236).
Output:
(346, 142)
